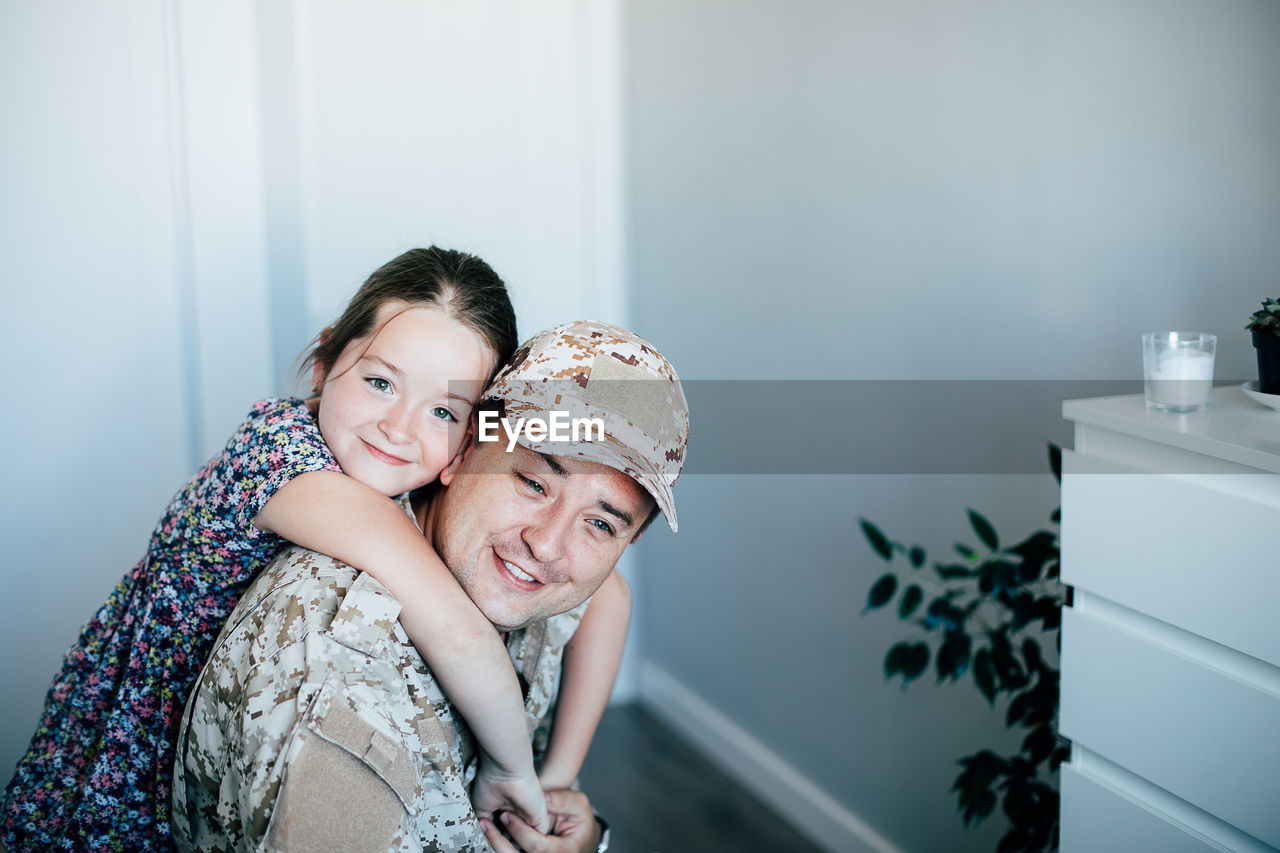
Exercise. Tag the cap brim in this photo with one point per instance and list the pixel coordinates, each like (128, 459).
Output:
(619, 457)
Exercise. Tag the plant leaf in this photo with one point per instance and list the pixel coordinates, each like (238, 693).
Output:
(982, 807)
(1024, 611)
(1041, 545)
(1031, 652)
(916, 556)
(879, 542)
(1014, 841)
(1019, 803)
(1039, 744)
(984, 675)
(882, 591)
(985, 531)
(956, 570)
(1049, 611)
(1007, 670)
(893, 660)
(907, 660)
(911, 598)
(914, 660)
(1021, 707)
(942, 612)
(973, 785)
(953, 656)
(1055, 461)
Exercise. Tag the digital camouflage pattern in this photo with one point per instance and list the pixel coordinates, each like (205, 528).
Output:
(316, 725)
(595, 370)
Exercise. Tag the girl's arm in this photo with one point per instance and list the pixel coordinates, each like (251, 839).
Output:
(336, 515)
(591, 662)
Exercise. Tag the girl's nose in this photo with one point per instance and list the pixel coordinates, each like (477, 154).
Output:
(396, 426)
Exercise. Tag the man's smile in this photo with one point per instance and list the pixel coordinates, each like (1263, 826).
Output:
(515, 575)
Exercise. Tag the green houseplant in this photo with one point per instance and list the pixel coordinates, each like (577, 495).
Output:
(975, 617)
(1265, 325)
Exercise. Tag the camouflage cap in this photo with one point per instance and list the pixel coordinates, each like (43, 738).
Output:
(595, 370)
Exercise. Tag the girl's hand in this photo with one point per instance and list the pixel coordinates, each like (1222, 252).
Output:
(576, 829)
(497, 790)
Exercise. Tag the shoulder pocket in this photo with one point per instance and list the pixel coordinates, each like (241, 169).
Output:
(349, 779)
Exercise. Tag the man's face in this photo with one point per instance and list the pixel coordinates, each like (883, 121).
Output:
(529, 536)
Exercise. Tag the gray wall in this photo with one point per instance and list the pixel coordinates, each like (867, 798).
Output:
(916, 191)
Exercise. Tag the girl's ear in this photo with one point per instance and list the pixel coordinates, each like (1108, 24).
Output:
(464, 447)
(318, 370)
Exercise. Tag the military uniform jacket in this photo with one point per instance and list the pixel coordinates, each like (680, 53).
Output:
(315, 725)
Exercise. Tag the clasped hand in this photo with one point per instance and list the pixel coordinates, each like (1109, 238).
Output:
(574, 828)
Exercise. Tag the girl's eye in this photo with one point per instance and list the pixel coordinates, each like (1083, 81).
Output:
(602, 525)
(444, 414)
(377, 383)
(532, 484)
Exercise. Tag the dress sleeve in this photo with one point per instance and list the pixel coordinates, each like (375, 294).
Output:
(279, 441)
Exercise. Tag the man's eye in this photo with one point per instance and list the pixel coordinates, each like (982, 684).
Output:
(532, 484)
(443, 413)
(377, 383)
(601, 524)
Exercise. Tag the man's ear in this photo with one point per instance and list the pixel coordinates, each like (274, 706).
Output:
(319, 371)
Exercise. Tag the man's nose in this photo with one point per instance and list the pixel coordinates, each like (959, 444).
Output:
(546, 533)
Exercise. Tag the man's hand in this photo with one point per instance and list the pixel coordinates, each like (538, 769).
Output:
(575, 829)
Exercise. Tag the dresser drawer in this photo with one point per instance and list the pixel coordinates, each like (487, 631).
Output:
(1096, 819)
(1196, 551)
(1152, 705)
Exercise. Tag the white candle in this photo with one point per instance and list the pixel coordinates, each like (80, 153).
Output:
(1182, 378)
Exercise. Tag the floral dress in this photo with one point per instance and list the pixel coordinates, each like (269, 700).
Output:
(97, 774)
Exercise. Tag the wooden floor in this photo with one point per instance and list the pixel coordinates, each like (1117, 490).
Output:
(660, 796)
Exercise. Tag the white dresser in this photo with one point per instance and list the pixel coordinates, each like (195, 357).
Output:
(1171, 649)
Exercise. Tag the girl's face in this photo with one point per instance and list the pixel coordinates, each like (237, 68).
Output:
(394, 407)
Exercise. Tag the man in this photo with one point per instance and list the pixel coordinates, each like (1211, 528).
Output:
(317, 726)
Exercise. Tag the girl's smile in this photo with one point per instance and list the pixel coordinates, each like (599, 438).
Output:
(385, 457)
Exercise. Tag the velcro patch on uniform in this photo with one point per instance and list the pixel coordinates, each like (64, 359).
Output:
(331, 800)
(389, 758)
(641, 400)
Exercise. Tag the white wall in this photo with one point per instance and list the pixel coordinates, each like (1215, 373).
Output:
(112, 277)
(192, 191)
(910, 191)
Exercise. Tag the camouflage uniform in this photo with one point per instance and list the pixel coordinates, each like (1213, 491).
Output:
(315, 725)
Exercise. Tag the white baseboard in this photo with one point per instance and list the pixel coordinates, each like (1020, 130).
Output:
(757, 768)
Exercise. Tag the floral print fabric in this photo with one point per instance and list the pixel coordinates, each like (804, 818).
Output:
(98, 770)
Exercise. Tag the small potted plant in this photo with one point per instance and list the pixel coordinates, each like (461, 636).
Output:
(1265, 325)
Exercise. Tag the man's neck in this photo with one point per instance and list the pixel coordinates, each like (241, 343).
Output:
(424, 512)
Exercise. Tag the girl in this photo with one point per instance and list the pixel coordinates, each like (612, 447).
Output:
(318, 473)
